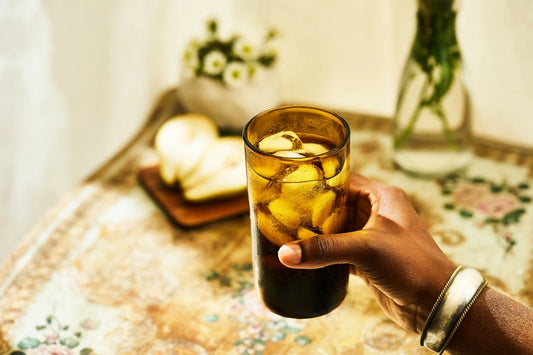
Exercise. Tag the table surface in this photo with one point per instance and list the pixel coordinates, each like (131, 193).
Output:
(105, 272)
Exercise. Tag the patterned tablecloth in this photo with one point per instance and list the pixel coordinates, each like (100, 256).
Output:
(105, 272)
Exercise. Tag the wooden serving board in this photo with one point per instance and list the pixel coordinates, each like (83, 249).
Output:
(184, 213)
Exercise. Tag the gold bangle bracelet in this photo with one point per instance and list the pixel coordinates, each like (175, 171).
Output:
(463, 288)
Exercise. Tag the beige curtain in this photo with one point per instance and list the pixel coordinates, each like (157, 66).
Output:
(77, 78)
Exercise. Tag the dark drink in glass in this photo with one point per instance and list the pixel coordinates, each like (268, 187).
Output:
(297, 161)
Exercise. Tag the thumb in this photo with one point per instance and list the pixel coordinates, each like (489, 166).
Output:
(324, 250)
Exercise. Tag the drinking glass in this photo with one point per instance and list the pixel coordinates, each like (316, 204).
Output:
(297, 161)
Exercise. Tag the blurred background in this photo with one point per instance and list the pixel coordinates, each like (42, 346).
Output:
(78, 78)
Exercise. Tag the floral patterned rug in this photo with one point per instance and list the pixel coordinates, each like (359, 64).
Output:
(107, 273)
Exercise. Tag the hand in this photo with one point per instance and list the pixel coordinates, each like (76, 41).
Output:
(389, 248)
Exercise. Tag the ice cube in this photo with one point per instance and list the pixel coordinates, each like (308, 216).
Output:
(284, 140)
(330, 166)
(300, 181)
(303, 173)
(310, 149)
(340, 178)
(288, 154)
(322, 206)
(271, 229)
(304, 233)
(336, 222)
(286, 212)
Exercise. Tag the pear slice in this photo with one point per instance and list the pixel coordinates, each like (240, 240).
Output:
(221, 172)
(181, 142)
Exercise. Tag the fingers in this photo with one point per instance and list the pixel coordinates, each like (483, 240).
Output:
(323, 250)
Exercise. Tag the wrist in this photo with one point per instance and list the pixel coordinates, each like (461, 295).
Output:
(433, 287)
(457, 297)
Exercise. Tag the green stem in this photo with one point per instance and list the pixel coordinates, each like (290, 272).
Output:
(400, 140)
(448, 133)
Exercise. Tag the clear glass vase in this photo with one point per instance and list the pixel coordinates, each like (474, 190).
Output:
(431, 126)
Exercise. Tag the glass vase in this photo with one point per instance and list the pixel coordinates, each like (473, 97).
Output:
(431, 125)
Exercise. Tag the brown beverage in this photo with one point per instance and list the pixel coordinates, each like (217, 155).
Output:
(298, 169)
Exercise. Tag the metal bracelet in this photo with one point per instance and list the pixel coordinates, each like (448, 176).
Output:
(461, 292)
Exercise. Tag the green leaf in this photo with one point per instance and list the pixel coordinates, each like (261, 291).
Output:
(69, 342)
(302, 340)
(495, 188)
(86, 351)
(513, 216)
(449, 206)
(211, 275)
(291, 329)
(525, 199)
(523, 186)
(492, 220)
(478, 180)
(17, 353)
(40, 327)
(210, 318)
(465, 214)
(28, 343)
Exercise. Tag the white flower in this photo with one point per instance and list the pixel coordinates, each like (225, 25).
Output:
(244, 49)
(235, 74)
(214, 62)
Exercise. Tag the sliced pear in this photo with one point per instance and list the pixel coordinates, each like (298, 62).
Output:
(181, 142)
(284, 140)
(221, 172)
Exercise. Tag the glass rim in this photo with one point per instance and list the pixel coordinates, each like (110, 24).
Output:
(333, 151)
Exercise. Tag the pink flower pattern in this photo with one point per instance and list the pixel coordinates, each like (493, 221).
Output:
(50, 349)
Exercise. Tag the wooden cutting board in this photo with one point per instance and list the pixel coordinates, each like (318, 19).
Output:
(184, 213)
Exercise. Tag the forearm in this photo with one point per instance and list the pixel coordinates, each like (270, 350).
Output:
(496, 324)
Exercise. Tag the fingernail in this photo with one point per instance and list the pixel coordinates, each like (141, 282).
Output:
(290, 254)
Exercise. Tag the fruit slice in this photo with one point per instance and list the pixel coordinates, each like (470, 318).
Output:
(181, 142)
(221, 172)
(284, 140)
